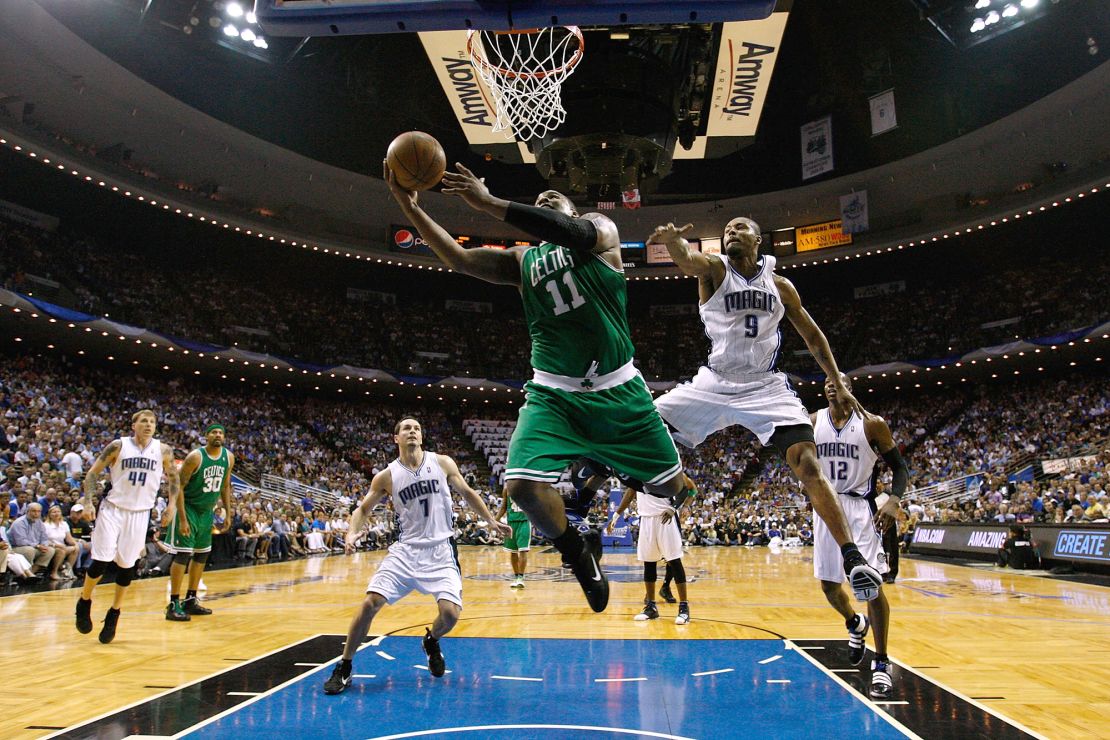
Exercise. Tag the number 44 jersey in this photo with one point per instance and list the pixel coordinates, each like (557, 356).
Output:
(136, 475)
(422, 502)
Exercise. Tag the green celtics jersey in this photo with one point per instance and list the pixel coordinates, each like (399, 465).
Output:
(576, 307)
(516, 514)
(202, 491)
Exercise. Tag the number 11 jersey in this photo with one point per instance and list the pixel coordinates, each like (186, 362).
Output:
(422, 502)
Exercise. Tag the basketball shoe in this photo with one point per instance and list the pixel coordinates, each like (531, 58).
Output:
(666, 595)
(588, 572)
(84, 616)
(683, 613)
(436, 665)
(651, 611)
(518, 582)
(108, 631)
(175, 612)
(192, 606)
(882, 684)
(864, 579)
(340, 678)
(857, 634)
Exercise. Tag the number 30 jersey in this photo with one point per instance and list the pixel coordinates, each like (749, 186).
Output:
(846, 455)
(136, 475)
(203, 489)
(742, 321)
(422, 502)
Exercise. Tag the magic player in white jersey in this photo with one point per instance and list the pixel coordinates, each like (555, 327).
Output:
(849, 443)
(136, 465)
(742, 302)
(424, 557)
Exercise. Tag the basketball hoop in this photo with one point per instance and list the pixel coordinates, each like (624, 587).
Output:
(524, 71)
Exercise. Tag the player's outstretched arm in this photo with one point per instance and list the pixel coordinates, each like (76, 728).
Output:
(105, 459)
(690, 262)
(458, 483)
(500, 266)
(878, 434)
(379, 489)
(814, 338)
(225, 493)
(174, 490)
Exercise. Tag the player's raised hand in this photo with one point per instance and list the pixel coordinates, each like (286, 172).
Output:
(407, 199)
(466, 185)
(668, 233)
(845, 396)
(504, 529)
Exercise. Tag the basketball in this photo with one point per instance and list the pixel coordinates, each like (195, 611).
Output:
(417, 160)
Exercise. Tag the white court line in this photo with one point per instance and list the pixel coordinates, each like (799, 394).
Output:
(515, 678)
(136, 703)
(778, 680)
(858, 696)
(309, 665)
(618, 680)
(845, 670)
(363, 675)
(377, 640)
(772, 659)
(713, 673)
(243, 693)
(383, 654)
(969, 700)
(809, 647)
(486, 728)
(885, 703)
(426, 668)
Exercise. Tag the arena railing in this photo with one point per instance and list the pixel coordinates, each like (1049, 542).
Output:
(285, 486)
(947, 491)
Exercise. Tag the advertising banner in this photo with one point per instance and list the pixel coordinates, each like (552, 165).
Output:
(821, 236)
(1076, 544)
(817, 148)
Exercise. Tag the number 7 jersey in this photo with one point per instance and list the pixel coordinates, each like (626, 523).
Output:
(742, 321)
(576, 307)
(422, 502)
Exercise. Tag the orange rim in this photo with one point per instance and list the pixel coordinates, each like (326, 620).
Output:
(515, 74)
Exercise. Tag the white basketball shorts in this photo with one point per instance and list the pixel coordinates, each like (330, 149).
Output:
(828, 563)
(119, 534)
(430, 570)
(709, 403)
(658, 540)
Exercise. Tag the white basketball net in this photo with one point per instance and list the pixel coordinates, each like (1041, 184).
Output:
(524, 71)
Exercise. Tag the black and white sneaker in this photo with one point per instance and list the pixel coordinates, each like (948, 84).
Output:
(192, 606)
(864, 580)
(436, 665)
(84, 616)
(588, 572)
(857, 642)
(651, 611)
(666, 595)
(340, 678)
(882, 684)
(683, 613)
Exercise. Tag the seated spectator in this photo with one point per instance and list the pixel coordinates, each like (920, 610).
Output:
(81, 531)
(65, 549)
(28, 537)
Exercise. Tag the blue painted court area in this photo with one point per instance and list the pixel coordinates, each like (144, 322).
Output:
(588, 689)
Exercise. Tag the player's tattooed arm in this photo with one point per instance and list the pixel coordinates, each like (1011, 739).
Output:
(106, 457)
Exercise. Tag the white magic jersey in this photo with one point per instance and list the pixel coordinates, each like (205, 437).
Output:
(136, 475)
(846, 455)
(422, 502)
(742, 321)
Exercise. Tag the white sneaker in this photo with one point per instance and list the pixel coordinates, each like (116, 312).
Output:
(683, 616)
(518, 582)
(865, 582)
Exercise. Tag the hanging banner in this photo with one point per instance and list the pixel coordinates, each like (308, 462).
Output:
(817, 148)
(853, 212)
(820, 236)
(884, 117)
(745, 60)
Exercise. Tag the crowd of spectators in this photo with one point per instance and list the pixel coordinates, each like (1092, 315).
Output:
(277, 311)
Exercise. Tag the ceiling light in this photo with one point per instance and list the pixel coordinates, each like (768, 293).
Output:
(980, 4)
(247, 35)
(993, 17)
(1009, 11)
(251, 18)
(235, 10)
(230, 30)
(1029, 3)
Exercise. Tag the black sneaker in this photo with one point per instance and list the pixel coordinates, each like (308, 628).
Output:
(108, 631)
(436, 665)
(588, 572)
(651, 611)
(666, 595)
(882, 684)
(683, 614)
(857, 642)
(864, 580)
(192, 606)
(340, 678)
(175, 612)
(84, 619)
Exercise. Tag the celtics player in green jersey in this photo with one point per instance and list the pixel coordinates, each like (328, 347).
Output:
(520, 541)
(205, 477)
(586, 397)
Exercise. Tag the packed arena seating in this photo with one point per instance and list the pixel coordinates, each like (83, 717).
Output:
(277, 312)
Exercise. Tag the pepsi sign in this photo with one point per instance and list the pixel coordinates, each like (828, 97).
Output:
(406, 240)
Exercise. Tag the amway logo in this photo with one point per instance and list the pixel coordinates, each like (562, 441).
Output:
(1085, 545)
(745, 77)
(987, 540)
(461, 74)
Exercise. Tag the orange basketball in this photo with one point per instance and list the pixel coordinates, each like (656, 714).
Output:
(417, 160)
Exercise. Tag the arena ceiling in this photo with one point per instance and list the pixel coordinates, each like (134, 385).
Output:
(340, 100)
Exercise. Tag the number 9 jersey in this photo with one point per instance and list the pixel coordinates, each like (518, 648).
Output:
(422, 502)
(742, 321)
